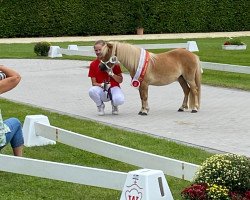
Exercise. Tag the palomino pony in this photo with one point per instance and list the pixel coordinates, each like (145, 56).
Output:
(158, 69)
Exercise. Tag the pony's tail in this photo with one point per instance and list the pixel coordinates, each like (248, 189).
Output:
(198, 73)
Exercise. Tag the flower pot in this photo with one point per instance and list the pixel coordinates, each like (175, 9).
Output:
(234, 47)
(139, 31)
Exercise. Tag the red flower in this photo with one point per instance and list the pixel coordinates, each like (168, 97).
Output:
(240, 195)
(195, 192)
(247, 195)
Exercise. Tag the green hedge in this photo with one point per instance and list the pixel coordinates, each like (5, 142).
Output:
(30, 18)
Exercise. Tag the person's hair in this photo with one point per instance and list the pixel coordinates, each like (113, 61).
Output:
(101, 42)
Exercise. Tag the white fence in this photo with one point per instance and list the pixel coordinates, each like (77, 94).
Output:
(56, 51)
(38, 131)
(135, 157)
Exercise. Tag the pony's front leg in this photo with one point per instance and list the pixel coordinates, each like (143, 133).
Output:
(144, 99)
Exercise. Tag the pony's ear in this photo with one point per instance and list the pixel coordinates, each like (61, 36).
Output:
(109, 44)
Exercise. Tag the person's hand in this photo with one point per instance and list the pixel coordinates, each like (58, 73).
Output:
(105, 86)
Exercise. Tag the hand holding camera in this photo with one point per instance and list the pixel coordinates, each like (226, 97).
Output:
(2, 75)
(105, 86)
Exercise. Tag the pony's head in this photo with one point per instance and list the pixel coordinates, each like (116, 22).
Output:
(108, 58)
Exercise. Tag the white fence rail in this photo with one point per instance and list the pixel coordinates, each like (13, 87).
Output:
(226, 67)
(172, 167)
(63, 172)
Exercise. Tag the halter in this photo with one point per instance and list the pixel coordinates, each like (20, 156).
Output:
(113, 60)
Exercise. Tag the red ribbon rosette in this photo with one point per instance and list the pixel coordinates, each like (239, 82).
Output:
(136, 83)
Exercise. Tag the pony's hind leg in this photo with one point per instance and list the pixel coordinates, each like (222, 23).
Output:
(186, 91)
(144, 99)
(194, 99)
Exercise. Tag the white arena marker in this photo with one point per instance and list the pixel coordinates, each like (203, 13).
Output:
(54, 52)
(192, 46)
(29, 134)
(146, 184)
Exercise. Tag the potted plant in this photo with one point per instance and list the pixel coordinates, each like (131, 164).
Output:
(138, 16)
(234, 44)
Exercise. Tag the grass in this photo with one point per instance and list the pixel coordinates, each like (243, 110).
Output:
(209, 50)
(226, 79)
(26, 187)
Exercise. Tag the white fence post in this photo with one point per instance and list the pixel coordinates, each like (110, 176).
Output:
(29, 133)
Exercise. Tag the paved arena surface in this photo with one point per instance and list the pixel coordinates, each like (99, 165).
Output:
(222, 124)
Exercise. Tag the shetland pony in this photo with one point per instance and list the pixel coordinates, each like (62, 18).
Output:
(161, 69)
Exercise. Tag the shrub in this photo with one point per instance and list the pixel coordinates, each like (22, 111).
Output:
(229, 170)
(42, 48)
(222, 176)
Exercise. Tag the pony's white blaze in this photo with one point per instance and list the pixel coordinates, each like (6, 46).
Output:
(163, 68)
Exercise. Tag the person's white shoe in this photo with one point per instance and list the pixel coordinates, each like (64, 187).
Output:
(114, 110)
(100, 109)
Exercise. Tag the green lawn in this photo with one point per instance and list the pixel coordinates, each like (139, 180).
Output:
(209, 50)
(21, 187)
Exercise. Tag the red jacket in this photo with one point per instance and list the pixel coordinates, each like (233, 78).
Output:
(102, 76)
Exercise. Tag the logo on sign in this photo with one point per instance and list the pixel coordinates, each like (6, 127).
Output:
(133, 195)
(133, 192)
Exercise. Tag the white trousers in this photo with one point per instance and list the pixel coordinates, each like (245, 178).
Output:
(99, 96)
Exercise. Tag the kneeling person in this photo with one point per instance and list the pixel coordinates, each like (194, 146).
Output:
(105, 83)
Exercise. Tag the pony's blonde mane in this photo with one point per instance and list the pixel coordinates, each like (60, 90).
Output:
(128, 54)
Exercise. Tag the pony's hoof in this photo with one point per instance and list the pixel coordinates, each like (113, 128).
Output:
(142, 113)
(180, 110)
(194, 111)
